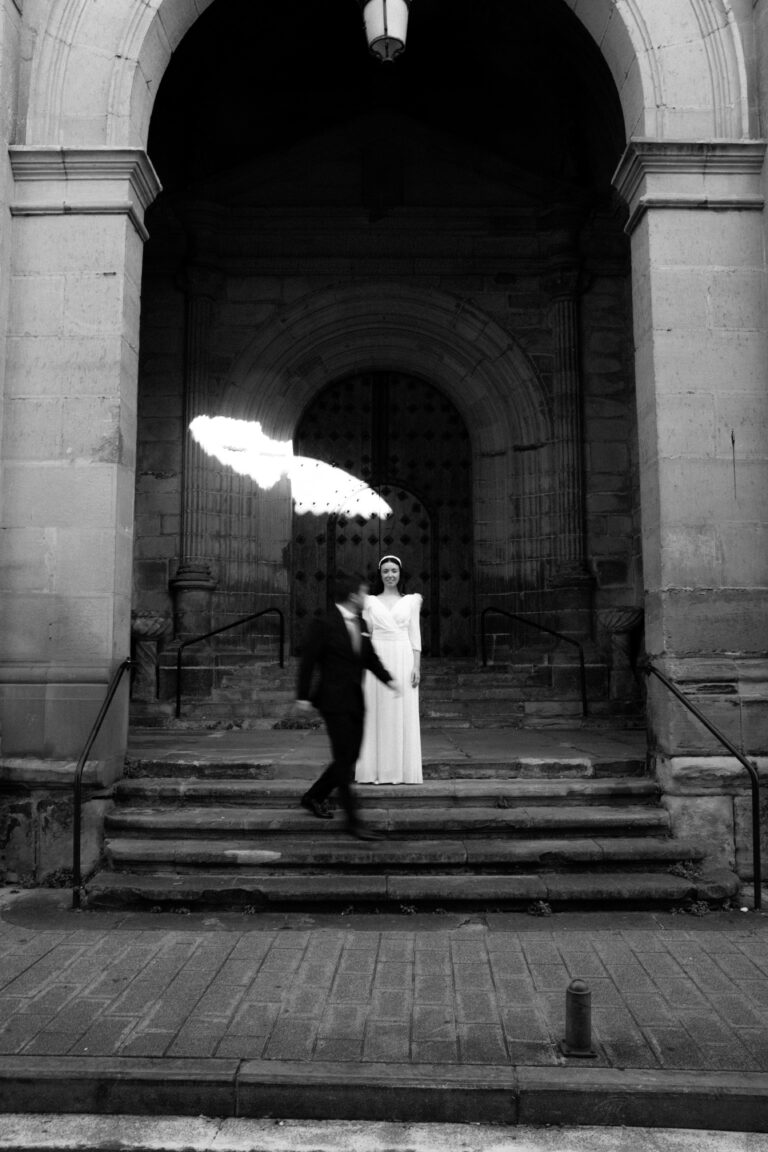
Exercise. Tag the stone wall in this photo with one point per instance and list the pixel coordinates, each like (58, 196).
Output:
(245, 529)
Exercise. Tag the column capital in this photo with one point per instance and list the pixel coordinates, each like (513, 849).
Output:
(690, 174)
(54, 181)
(563, 279)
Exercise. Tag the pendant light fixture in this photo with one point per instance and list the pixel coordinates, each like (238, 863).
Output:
(386, 26)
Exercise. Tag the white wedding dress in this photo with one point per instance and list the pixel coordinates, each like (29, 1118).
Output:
(391, 750)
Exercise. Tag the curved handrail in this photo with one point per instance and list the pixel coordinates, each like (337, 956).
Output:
(215, 632)
(754, 777)
(77, 795)
(541, 628)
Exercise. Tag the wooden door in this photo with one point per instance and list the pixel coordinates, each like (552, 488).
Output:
(406, 440)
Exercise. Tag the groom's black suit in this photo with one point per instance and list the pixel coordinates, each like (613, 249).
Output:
(331, 676)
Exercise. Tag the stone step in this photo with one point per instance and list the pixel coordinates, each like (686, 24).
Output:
(236, 688)
(273, 698)
(189, 766)
(273, 853)
(430, 794)
(243, 686)
(534, 715)
(252, 889)
(465, 687)
(436, 670)
(482, 705)
(245, 704)
(216, 822)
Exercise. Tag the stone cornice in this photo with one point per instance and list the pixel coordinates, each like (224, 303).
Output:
(696, 174)
(66, 208)
(95, 181)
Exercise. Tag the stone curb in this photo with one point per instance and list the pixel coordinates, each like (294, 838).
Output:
(419, 1093)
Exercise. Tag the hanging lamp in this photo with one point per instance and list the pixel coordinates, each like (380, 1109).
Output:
(386, 26)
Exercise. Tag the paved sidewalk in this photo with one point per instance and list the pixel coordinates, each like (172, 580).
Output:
(319, 1004)
(137, 1134)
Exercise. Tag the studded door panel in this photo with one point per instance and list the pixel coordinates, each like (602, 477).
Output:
(404, 438)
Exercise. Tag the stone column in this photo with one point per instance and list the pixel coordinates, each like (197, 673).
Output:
(193, 584)
(696, 221)
(569, 574)
(69, 466)
(699, 297)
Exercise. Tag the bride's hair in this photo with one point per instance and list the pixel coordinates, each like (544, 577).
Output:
(377, 584)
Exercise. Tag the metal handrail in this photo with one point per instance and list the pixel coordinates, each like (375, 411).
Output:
(215, 632)
(77, 796)
(541, 628)
(754, 777)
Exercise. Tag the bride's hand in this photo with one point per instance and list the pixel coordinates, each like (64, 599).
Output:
(415, 678)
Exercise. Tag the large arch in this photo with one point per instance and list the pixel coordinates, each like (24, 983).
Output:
(392, 327)
(679, 68)
(692, 179)
(334, 333)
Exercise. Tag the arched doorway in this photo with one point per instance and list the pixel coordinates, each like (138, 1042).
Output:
(405, 438)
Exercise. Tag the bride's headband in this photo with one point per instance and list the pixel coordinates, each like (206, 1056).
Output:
(396, 559)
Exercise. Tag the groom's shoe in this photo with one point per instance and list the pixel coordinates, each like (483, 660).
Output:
(318, 808)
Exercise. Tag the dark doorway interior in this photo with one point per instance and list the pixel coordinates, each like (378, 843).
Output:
(520, 81)
(404, 438)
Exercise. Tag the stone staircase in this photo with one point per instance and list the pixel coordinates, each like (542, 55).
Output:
(541, 687)
(493, 831)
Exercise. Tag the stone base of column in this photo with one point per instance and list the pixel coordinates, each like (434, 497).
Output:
(46, 714)
(620, 629)
(192, 589)
(731, 691)
(147, 632)
(705, 789)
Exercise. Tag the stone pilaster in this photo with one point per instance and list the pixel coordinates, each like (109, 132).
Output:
(701, 353)
(569, 573)
(70, 424)
(193, 584)
(696, 221)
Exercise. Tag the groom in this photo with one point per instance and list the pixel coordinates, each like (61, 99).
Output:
(336, 652)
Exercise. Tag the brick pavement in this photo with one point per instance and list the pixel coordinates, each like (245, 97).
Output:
(668, 992)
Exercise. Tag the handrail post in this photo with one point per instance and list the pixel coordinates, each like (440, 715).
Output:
(178, 679)
(583, 679)
(483, 646)
(77, 794)
(754, 775)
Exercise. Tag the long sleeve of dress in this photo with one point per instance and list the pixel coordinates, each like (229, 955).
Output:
(414, 626)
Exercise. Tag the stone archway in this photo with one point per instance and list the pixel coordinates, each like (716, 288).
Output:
(93, 77)
(336, 333)
(692, 179)
(679, 68)
(80, 156)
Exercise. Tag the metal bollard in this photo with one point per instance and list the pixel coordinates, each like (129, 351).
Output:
(578, 1021)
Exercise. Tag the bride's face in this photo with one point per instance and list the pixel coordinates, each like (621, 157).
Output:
(390, 574)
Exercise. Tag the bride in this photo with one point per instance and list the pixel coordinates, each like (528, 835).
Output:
(391, 749)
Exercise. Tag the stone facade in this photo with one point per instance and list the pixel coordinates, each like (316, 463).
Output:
(606, 354)
(512, 321)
